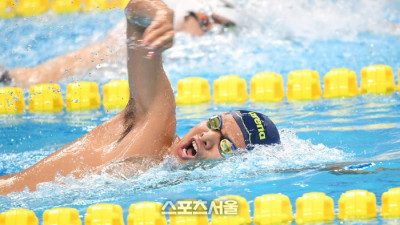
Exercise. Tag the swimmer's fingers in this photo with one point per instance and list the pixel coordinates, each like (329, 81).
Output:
(155, 24)
(161, 25)
(164, 42)
(153, 36)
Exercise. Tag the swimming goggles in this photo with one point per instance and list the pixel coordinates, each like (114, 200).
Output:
(225, 147)
(205, 22)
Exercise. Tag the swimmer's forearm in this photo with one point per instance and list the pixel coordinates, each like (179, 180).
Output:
(144, 74)
(78, 62)
(149, 86)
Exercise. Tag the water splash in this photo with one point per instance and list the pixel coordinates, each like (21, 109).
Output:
(277, 36)
(16, 161)
(261, 164)
(282, 36)
(313, 20)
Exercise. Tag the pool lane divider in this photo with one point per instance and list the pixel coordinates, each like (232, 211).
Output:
(230, 89)
(103, 214)
(314, 207)
(12, 100)
(266, 87)
(302, 85)
(27, 8)
(145, 213)
(340, 83)
(7, 8)
(357, 205)
(62, 216)
(82, 96)
(272, 209)
(192, 91)
(115, 94)
(377, 79)
(45, 98)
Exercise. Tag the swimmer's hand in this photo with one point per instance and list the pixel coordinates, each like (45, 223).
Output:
(159, 36)
(160, 33)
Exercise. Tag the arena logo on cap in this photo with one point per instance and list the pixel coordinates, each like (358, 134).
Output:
(258, 122)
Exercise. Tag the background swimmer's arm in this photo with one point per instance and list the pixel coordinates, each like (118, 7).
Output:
(149, 87)
(150, 114)
(77, 62)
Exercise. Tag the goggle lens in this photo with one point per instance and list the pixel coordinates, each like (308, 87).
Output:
(226, 148)
(215, 123)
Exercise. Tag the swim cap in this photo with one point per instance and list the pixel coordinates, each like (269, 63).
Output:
(4, 76)
(257, 128)
(226, 9)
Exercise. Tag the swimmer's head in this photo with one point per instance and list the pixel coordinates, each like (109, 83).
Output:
(257, 128)
(221, 135)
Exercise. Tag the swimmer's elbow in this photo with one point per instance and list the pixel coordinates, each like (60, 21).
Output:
(7, 185)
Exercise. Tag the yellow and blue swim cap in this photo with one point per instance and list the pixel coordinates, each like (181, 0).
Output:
(257, 128)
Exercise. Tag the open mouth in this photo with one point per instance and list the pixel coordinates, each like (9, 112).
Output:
(188, 150)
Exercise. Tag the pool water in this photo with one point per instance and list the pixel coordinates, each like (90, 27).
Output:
(327, 146)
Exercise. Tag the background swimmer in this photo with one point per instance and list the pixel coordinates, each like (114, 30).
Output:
(191, 16)
(146, 127)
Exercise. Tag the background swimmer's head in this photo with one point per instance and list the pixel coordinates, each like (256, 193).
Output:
(225, 133)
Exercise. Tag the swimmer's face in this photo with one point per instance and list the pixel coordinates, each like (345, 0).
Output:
(201, 142)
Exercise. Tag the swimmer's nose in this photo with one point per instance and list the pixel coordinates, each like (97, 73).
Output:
(209, 139)
(201, 142)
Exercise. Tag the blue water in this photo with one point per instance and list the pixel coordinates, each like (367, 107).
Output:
(319, 137)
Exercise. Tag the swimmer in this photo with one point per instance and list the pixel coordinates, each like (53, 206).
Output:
(146, 127)
(189, 16)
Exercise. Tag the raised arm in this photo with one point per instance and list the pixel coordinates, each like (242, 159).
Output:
(149, 32)
(145, 128)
